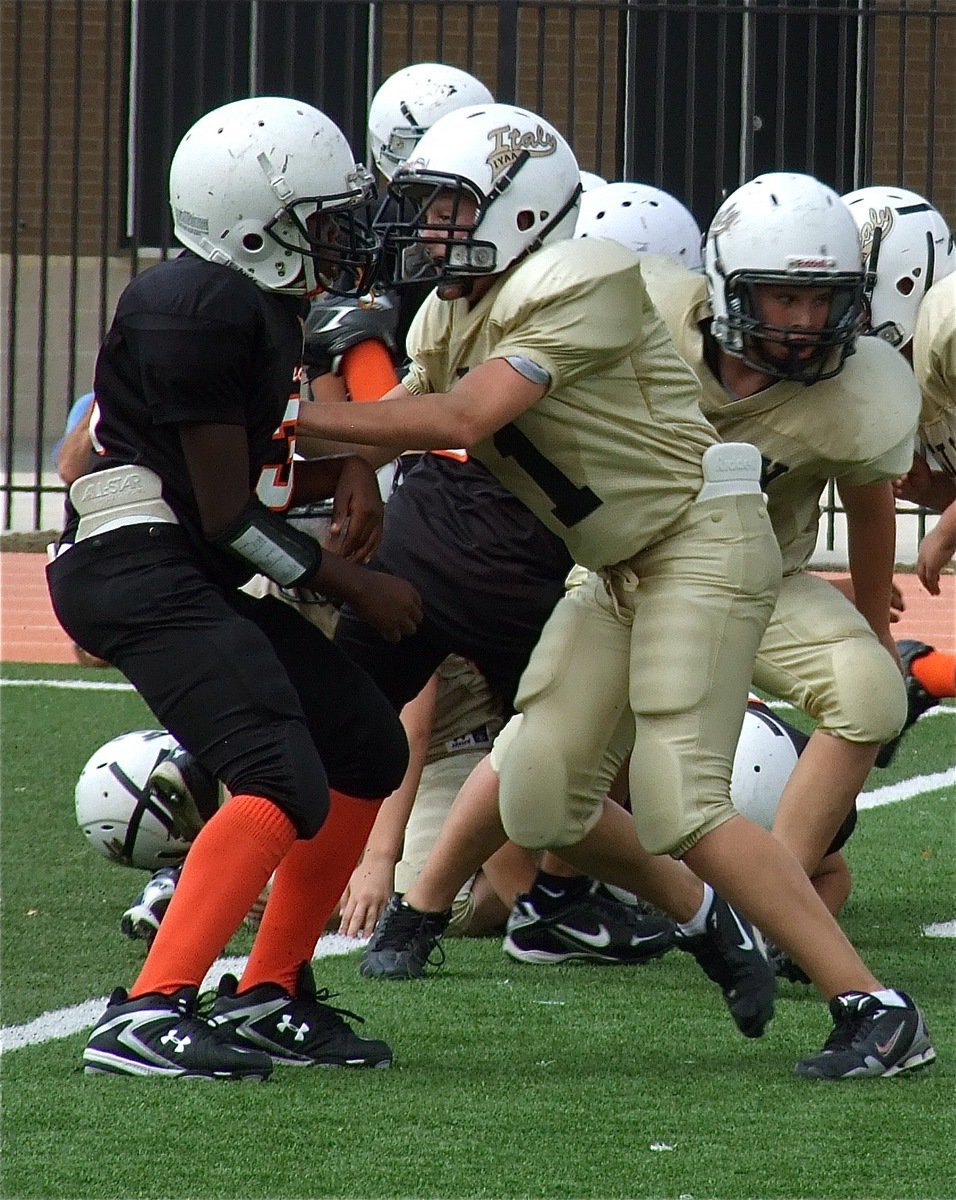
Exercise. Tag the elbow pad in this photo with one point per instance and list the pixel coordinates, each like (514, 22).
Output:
(335, 325)
(267, 542)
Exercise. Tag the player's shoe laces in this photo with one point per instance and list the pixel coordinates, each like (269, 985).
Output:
(142, 918)
(731, 952)
(161, 1036)
(297, 1030)
(405, 942)
(187, 790)
(595, 927)
(918, 699)
(870, 1038)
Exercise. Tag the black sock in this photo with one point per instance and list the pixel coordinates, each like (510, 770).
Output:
(551, 892)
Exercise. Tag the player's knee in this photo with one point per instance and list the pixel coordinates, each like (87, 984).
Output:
(284, 766)
(534, 796)
(867, 701)
(676, 797)
(374, 761)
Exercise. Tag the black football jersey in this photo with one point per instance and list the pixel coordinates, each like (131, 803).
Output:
(193, 341)
(484, 564)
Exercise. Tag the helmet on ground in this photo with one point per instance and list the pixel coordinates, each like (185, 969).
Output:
(116, 811)
(643, 218)
(764, 760)
(270, 187)
(907, 247)
(790, 230)
(514, 166)
(410, 102)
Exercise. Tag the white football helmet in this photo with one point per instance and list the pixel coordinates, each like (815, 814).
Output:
(518, 169)
(116, 813)
(767, 752)
(907, 247)
(786, 229)
(410, 102)
(270, 187)
(589, 181)
(643, 218)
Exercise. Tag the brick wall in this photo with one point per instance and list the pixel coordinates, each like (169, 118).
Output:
(47, 46)
(553, 46)
(914, 127)
(53, 186)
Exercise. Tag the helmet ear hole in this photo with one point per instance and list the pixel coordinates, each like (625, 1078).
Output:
(525, 219)
(246, 176)
(907, 247)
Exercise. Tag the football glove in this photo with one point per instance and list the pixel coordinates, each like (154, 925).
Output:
(336, 324)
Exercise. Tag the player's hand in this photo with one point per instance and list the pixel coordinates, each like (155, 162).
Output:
(916, 485)
(357, 511)
(390, 605)
(368, 891)
(935, 551)
(897, 603)
(336, 324)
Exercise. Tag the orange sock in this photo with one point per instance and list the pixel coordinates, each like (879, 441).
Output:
(368, 371)
(936, 671)
(307, 887)
(225, 870)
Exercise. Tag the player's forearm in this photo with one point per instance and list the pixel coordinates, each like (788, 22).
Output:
(388, 833)
(871, 547)
(75, 453)
(375, 456)
(315, 478)
(339, 579)
(871, 563)
(431, 422)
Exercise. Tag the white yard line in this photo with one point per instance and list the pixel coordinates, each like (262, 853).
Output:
(63, 1022)
(907, 788)
(66, 1021)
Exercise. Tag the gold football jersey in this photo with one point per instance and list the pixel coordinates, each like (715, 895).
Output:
(934, 361)
(856, 428)
(610, 456)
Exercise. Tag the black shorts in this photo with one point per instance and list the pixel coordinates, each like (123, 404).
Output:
(259, 695)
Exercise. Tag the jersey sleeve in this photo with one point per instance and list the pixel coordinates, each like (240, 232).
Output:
(572, 320)
(191, 372)
(892, 463)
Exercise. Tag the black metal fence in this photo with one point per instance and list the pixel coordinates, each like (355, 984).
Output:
(693, 96)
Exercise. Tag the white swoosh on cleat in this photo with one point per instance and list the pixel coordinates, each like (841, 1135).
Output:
(599, 940)
(747, 942)
(637, 938)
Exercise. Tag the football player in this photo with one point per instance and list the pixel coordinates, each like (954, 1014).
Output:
(910, 256)
(194, 440)
(488, 570)
(770, 332)
(544, 356)
(490, 573)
